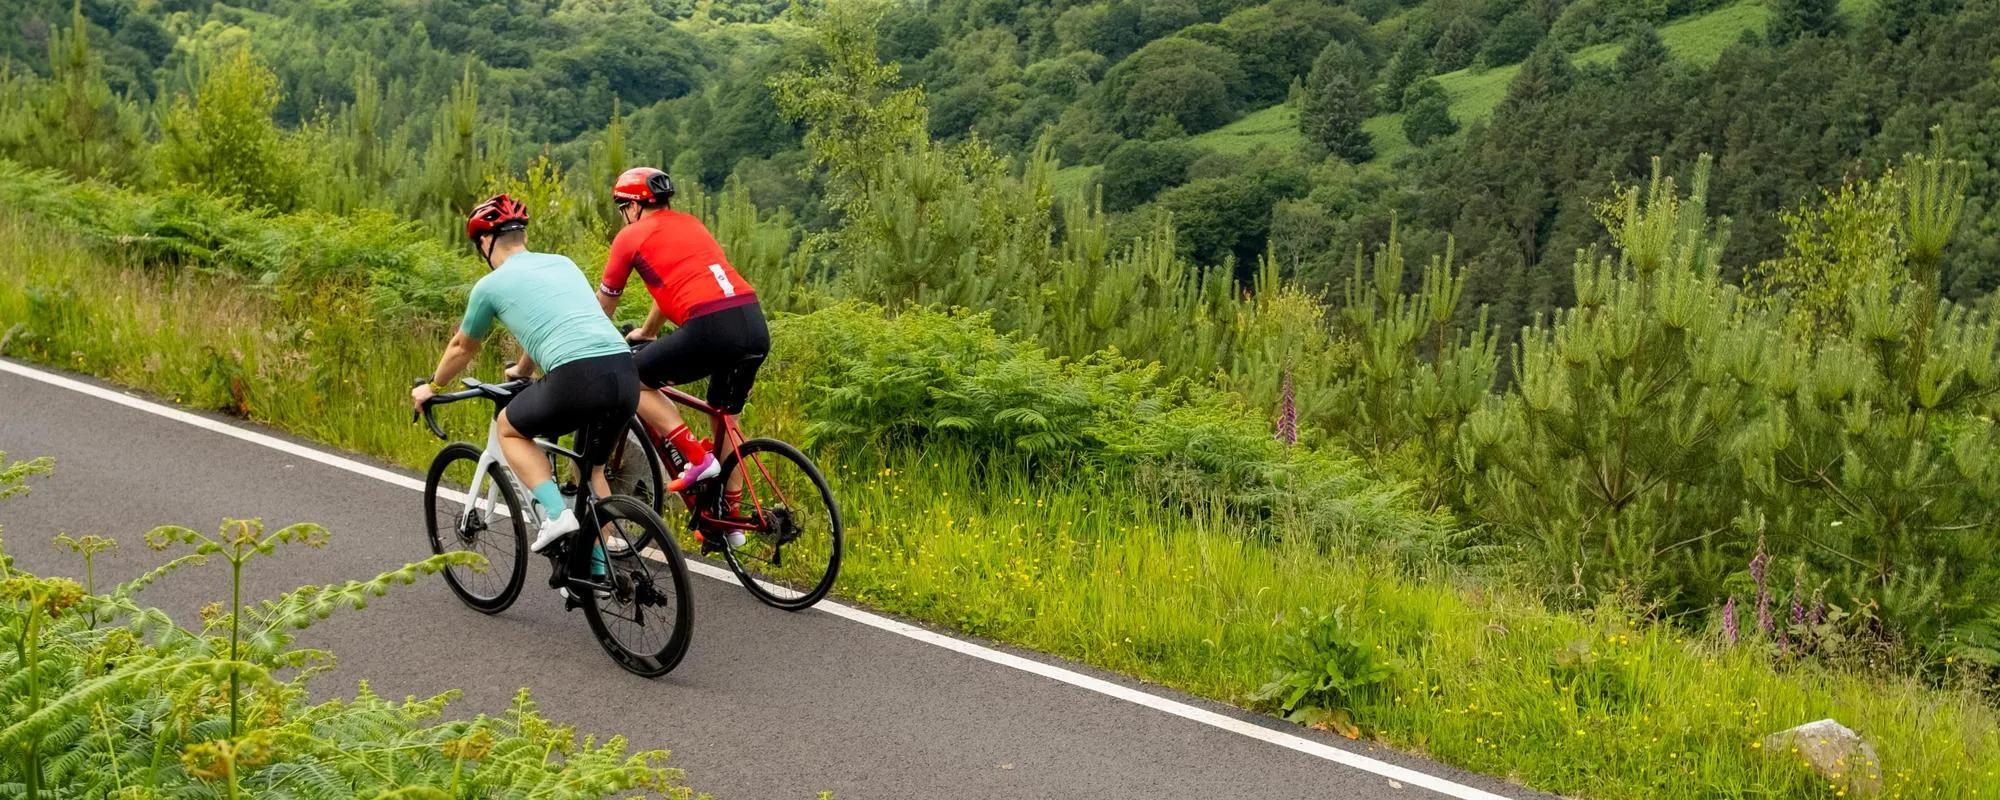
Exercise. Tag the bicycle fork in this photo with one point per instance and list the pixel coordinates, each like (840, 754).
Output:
(479, 487)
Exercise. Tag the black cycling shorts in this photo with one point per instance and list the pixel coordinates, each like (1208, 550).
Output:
(593, 395)
(725, 346)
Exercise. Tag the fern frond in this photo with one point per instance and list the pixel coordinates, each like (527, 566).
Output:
(127, 589)
(300, 608)
(145, 669)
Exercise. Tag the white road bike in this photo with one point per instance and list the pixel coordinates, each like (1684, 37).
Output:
(630, 580)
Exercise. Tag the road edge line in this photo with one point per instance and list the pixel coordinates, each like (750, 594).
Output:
(904, 629)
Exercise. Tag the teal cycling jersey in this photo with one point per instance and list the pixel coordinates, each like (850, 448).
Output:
(548, 305)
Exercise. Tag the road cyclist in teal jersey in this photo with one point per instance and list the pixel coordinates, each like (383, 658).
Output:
(591, 385)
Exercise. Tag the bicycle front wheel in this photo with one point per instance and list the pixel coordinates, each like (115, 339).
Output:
(643, 614)
(791, 528)
(635, 469)
(492, 524)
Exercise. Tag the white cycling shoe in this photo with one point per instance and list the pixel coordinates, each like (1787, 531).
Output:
(562, 525)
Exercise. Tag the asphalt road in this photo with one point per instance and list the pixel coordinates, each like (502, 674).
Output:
(768, 704)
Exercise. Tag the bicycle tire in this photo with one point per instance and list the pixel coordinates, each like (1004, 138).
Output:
(758, 580)
(643, 479)
(457, 577)
(630, 589)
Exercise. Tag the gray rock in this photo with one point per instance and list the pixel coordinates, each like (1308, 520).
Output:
(1834, 751)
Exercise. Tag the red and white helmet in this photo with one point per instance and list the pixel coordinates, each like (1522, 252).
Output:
(499, 214)
(644, 185)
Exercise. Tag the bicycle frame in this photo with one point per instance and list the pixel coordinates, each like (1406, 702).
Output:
(723, 424)
(488, 458)
(491, 455)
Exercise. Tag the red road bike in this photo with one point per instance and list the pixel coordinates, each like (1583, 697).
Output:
(782, 537)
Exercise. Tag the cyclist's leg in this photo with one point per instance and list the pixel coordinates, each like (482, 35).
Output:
(618, 394)
(566, 399)
(747, 341)
(534, 412)
(687, 354)
(659, 413)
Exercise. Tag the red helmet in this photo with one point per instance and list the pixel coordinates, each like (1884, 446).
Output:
(499, 214)
(643, 184)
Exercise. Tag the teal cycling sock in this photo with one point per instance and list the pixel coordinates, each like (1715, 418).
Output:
(597, 565)
(550, 496)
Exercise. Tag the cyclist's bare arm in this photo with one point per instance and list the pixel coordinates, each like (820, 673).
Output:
(524, 367)
(654, 321)
(457, 355)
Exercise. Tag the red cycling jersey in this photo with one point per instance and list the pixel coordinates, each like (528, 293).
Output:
(681, 264)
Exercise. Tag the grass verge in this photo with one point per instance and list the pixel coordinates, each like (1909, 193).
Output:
(1585, 705)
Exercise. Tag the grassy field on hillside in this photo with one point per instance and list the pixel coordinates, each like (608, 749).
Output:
(1069, 181)
(1475, 93)
(1699, 39)
(1277, 126)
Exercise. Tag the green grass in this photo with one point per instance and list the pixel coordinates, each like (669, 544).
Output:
(1386, 131)
(1070, 181)
(1277, 126)
(1697, 39)
(1582, 704)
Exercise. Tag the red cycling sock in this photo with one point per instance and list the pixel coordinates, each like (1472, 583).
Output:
(732, 501)
(689, 446)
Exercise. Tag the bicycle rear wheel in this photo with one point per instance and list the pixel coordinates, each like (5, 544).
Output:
(790, 553)
(493, 525)
(644, 613)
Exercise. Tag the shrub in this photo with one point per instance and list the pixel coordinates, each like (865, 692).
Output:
(389, 264)
(1513, 39)
(946, 380)
(1427, 114)
(1139, 169)
(224, 140)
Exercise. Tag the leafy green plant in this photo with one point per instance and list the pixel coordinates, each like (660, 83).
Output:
(931, 379)
(1325, 671)
(103, 697)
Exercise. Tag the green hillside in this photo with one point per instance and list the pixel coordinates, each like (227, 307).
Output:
(1475, 92)
(1277, 126)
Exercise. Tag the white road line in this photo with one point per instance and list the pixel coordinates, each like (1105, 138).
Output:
(1107, 688)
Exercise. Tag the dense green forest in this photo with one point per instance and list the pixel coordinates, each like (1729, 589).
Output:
(1496, 123)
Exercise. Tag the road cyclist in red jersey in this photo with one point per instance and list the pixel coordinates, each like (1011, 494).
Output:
(719, 334)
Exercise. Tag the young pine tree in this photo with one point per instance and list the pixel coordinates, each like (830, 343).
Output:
(1797, 19)
(1337, 102)
(74, 123)
(224, 141)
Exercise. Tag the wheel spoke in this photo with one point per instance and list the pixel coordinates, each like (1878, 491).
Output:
(465, 519)
(647, 640)
(790, 558)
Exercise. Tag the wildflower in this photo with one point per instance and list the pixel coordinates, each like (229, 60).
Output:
(1758, 564)
(1729, 630)
(1288, 413)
